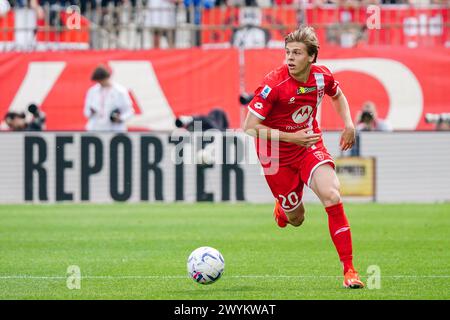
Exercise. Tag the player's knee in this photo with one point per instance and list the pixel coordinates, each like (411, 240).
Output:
(297, 216)
(297, 221)
(332, 197)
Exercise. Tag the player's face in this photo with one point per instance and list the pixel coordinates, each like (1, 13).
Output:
(297, 58)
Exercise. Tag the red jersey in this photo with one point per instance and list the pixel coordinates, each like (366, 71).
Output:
(289, 105)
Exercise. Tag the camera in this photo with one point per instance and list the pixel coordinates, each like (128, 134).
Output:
(215, 119)
(183, 121)
(437, 118)
(38, 120)
(366, 117)
(245, 98)
(115, 115)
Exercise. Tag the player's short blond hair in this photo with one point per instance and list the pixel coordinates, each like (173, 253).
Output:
(308, 37)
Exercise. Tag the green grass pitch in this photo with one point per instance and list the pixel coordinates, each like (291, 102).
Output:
(139, 251)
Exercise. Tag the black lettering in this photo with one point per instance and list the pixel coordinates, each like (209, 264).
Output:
(353, 170)
(125, 142)
(179, 165)
(61, 165)
(31, 166)
(86, 169)
(201, 168)
(147, 166)
(231, 165)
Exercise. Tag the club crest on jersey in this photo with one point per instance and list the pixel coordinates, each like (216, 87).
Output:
(303, 90)
(302, 114)
(265, 91)
(319, 155)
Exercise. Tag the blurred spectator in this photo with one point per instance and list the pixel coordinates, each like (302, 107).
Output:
(26, 13)
(441, 121)
(4, 7)
(19, 121)
(87, 6)
(194, 15)
(443, 126)
(367, 119)
(16, 121)
(108, 104)
(241, 3)
(160, 15)
(250, 35)
(109, 14)
(53, 10)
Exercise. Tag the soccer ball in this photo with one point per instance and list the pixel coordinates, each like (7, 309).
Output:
(205, 265)
(207, 156)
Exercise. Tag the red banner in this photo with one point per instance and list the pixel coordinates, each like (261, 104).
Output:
(162, 83)
(404, 83)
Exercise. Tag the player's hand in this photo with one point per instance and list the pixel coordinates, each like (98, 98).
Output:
(305, 137)
(347, 138)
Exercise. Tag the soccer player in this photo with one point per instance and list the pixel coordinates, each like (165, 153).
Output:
(283, 112)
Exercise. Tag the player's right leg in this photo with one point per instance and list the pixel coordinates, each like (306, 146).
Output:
(287, 188)
(283, 217)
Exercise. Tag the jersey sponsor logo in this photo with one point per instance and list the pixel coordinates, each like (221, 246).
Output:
(319, 155)
(303, 90)
(258, 105)
(296, 127)
(265, 92)
(302, 114)
(291, 100)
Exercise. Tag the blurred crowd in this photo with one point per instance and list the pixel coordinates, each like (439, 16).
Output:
(87, 5)
(109, 24)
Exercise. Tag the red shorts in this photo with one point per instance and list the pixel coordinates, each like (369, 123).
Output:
(287, 184)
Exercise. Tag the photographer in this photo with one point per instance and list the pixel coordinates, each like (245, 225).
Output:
(441, 121)
(38, 118)
(17, 121)
(107, 105)
(215, 119)
(367, 119)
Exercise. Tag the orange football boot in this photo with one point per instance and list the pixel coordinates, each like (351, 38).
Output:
(279, 215)
(351, 280)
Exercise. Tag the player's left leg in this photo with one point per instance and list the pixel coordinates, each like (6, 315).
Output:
(325, 184)
(294, 217)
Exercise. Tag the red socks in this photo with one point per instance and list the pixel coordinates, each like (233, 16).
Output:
(340, 234)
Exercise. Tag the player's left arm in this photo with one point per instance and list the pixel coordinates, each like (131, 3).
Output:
(340, 103)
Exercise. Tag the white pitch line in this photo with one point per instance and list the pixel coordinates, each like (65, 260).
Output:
(267, 276)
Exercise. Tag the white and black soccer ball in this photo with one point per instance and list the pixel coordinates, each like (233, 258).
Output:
(205, 265)
(207, 155)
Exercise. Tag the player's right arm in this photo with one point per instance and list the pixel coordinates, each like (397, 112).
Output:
(266, 95)
(253, 126)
